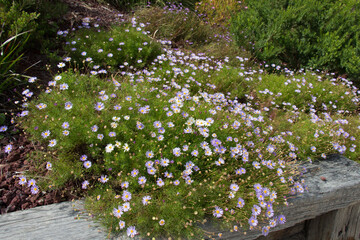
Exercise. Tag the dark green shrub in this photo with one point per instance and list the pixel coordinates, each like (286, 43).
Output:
(308, 33)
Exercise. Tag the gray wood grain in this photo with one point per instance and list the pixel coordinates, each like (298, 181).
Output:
(340, 190)
(56, 221)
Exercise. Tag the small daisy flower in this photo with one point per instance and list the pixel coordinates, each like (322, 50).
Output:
(177, 152)
(68, 105)
(94, 128)
(61, 65)
(265, 230)
(66, 132)
(83, 158)
(162, 222)
(149, 154)
(64, 86)
(131, 232)
(22, 180)
(8, 148)
(87, 164)
(142, 180)
(134, 172)
(48, 165)
(109, 148)
(126, 196)
(104, 179)
(45, 134)
(52, 143)
(234, 187)
(160, 182)
(126, 147)
(57, 78)
(31, 182)
(84, 184)
(65, 125)
(99, 106)
(121, 224)
(125, 184)
(281, 219)
(118, 212)
(3, 128)
(32, 79)
(253, 221)
(240, 203)
(34, 189)
(218, 212)
(176, 182)
(126, 206)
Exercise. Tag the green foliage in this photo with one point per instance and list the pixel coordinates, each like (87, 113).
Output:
(128, 45)
(323, 35)
(14, 19)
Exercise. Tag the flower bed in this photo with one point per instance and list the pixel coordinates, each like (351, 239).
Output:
(162, 143)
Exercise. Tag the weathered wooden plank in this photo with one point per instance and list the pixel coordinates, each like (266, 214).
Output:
(340, 190)
(56, 221)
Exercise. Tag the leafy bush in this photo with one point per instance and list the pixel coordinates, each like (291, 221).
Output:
(123, 46)
(309, 33)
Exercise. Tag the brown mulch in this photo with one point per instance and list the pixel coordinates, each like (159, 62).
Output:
(14, 196)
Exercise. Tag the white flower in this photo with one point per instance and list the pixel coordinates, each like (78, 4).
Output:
(117, 144)
(126, 147)
(109, 148)
(126, 117)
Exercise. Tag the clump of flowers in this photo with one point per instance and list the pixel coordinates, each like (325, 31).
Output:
(100, 49)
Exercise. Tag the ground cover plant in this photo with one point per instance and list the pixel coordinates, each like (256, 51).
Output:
(171, 139)
(121, 46)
